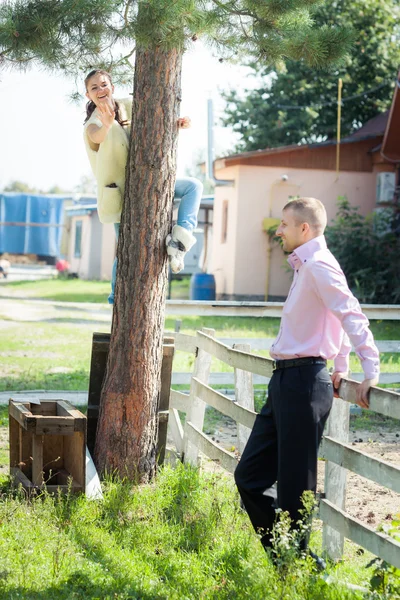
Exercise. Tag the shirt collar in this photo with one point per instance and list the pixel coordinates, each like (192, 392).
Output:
(306, 251)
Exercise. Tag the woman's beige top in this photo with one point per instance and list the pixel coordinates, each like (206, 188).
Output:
(108, 162)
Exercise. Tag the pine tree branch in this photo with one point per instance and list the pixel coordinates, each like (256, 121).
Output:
(126, 11)
(234, 11)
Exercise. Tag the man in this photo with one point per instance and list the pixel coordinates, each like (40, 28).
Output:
(318, 313)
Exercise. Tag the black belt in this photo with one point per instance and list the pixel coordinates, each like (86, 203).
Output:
(299, 362)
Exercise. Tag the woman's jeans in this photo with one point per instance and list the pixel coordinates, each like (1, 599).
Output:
(189, 190)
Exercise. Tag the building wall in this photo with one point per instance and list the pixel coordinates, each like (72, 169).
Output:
(96, 235)
(108, 250)
(240, 266)
(223, 256)
(80, 265)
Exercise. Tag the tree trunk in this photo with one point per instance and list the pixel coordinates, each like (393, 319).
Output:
(127, 428)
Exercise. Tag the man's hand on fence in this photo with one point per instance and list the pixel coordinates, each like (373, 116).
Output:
(363, 392)
(336, 379)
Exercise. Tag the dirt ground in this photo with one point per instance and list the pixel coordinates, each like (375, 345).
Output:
(365, 500)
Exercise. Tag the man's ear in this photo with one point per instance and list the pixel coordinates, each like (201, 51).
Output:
(305, 227)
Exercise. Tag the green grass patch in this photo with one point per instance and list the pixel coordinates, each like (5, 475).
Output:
(180, 287)
(45, 356)
(183, 538)
(60, 290)
(256, 327)
(3, 415)
(78, 290)
(371, 421)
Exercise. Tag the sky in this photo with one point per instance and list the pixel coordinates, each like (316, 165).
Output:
(41, 129)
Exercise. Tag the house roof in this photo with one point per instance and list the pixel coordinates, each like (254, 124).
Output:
(391, 142)
(373, 128)
(368, 138)
(354, 156)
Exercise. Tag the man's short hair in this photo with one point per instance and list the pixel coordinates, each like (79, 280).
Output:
(309, 210)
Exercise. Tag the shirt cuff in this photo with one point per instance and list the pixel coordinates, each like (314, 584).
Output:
(371, 369)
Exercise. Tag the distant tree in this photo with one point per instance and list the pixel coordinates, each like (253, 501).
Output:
(19, 186)
(68, 35)
(262, 117)
(86, 185)
(55, 189)
(197, 169)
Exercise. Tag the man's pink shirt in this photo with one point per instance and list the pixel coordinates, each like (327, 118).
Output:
(320, 310)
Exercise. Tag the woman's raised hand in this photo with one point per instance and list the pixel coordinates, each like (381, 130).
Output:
(184, 123)
(106, 113)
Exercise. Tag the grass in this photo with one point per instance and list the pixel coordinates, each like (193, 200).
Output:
(44, 356)
(78, 290)
(184, 538)
(370, 421)
(59, 290)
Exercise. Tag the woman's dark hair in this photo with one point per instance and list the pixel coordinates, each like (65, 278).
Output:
(90, 106)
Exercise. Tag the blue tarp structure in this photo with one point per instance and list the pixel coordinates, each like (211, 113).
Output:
(42, 218)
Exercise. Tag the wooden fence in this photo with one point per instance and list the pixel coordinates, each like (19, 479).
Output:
(265, 344)
(223, 308)
(340, 456)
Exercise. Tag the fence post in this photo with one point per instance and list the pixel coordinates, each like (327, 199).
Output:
(335, 476)
(163, 405)
(244, 395)
(197, 408)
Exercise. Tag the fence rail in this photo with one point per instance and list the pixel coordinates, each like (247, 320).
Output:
(262, 309)
(378, 543)
(228, 378)
(190, 439)
(186, 343)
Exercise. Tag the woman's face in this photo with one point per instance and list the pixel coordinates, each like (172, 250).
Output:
(99, 89)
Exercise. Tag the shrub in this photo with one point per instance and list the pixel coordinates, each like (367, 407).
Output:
(368, 250)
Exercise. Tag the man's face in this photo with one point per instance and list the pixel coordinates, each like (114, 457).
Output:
(290, 231)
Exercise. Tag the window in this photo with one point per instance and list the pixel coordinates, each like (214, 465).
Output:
(224, 231)
(78, 239)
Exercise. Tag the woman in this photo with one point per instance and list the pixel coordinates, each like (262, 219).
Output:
(106, 135)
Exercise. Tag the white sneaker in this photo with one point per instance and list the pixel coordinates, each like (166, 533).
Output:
(178, 243)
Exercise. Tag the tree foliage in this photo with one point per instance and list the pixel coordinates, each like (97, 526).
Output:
(367, 250)
(19, 186)
(25, 188)
(71, 35)
(263, 118)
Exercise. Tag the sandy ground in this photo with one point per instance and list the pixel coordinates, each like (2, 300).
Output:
(365, 500)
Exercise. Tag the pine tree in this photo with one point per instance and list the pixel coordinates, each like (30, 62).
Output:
(75, 35)
(298, 104)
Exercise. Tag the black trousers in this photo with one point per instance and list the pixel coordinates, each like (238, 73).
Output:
(283, 445)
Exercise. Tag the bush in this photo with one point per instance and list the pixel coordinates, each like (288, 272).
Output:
(368, 250)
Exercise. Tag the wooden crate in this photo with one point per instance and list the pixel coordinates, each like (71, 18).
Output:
(100, 348)
(47, 445)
